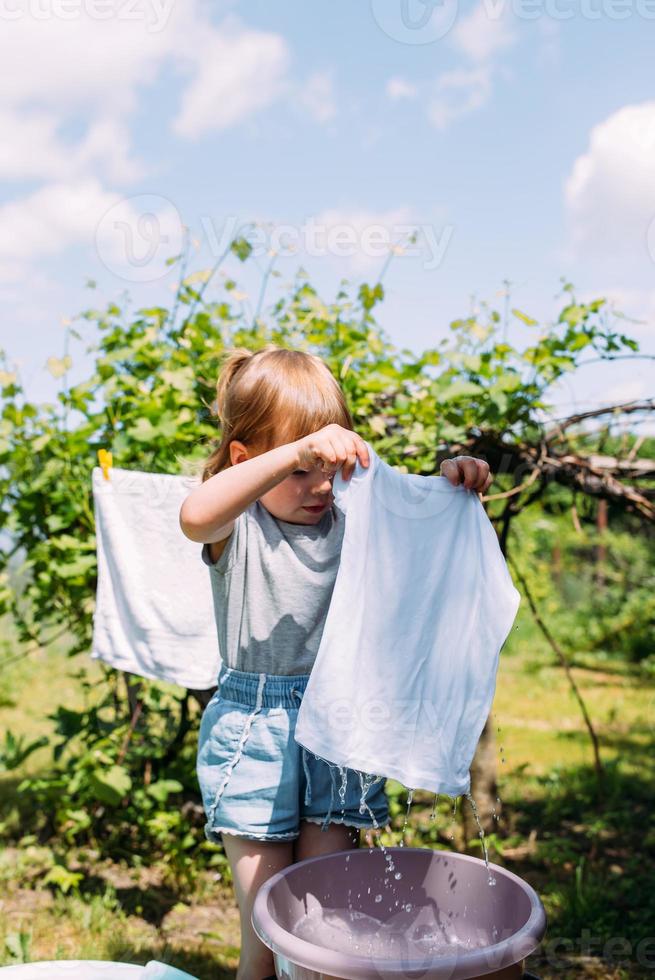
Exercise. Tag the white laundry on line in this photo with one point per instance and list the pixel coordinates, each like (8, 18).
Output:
(405, 673)
(154, 610)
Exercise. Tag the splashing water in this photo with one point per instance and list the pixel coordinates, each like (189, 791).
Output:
(342, 789)
(366, 782)
(454, 817)
(402, 936)
(491, 880)
(410, 797)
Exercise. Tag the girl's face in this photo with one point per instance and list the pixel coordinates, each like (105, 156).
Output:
(301, 498)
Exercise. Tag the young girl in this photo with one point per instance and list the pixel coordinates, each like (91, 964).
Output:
(271, 536)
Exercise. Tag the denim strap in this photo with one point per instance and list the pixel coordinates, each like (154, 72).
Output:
(239, 749)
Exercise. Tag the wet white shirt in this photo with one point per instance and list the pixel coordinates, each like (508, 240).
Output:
(405, 673)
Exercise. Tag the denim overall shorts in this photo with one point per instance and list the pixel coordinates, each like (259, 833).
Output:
(256, 781)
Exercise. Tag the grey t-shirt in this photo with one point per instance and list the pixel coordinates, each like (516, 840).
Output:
(272, 587)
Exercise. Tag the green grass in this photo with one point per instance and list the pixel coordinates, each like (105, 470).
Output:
(540, 721)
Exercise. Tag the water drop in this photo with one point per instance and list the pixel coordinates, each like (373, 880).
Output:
(481, 831)
(410, 797)
(365, 783)
(342, 788)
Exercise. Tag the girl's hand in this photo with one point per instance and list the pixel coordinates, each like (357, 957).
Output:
(332, 447)
(473, 473)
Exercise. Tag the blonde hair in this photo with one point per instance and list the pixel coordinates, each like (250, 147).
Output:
(270, 397)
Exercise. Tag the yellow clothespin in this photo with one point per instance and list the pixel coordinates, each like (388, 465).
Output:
(104, 458)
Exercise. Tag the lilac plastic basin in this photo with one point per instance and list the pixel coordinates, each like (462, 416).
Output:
(487, 930)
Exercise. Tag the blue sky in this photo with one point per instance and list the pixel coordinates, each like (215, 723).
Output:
(523, 148)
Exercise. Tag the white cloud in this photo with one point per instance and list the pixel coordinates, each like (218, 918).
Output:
(86, 75)
(133, 237)
(317, 96)
(627, 391)
(81, 69)
(457, 93)
(237, 72)
(84, 63)
(99, 65)
(480, 37)
(93, 70)
(399, 88)
(106, 146)
(51, 219)
(635, 303)
(31, 148)
(484, 32)
(610, 191)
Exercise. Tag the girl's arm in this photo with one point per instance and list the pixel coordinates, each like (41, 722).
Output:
(209, 512)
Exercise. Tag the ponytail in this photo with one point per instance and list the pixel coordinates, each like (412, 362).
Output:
(233, 361)
(271, 394)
